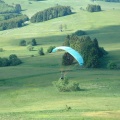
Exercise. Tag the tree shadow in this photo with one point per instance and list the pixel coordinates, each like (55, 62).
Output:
(106, 35)
(103, 30)
(83, 90)
(23, 9)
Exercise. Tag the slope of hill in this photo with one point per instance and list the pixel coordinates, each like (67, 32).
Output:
(26, 91)
(5, 8)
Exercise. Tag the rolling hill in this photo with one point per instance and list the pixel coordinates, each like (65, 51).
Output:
(27, 92)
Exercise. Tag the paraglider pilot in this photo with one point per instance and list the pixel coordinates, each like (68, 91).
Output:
(62, 75)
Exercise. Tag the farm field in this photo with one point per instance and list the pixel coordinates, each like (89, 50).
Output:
(26, 90)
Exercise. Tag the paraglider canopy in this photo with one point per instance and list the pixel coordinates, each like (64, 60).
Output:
(71, 51)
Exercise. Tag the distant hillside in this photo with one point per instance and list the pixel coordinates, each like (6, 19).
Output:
(10, 16)
(5, 8)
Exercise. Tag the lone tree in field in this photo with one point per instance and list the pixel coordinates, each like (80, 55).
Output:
(40, 51)
(33, 42)
(18, 8)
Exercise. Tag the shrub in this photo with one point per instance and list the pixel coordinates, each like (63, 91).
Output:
(41, 52)
(63, 85)
(49, 50)
(4, 62)
(112, 65)
(1, 49)
(14, 60)
(22, 43)
(33, 42)
(73, 86)
(30, 47)
(32, 56)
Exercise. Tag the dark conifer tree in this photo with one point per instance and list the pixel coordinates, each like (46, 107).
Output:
(33, 42)
(18, 8)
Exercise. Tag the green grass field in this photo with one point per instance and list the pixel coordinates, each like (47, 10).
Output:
(26, 91)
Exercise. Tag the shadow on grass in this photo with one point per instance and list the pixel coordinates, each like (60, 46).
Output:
(105, 30)
(24, 9)
(83, 90)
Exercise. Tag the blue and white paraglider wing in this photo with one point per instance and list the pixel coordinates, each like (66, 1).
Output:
(71, 51)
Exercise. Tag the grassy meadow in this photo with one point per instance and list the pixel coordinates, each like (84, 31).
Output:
(27, 92)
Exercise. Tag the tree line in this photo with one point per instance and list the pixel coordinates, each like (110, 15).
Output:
(51, 13)
(93, 8)
(24, 43)
(13, 60)
(13, 22)
(5, 8)
(10, 16)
